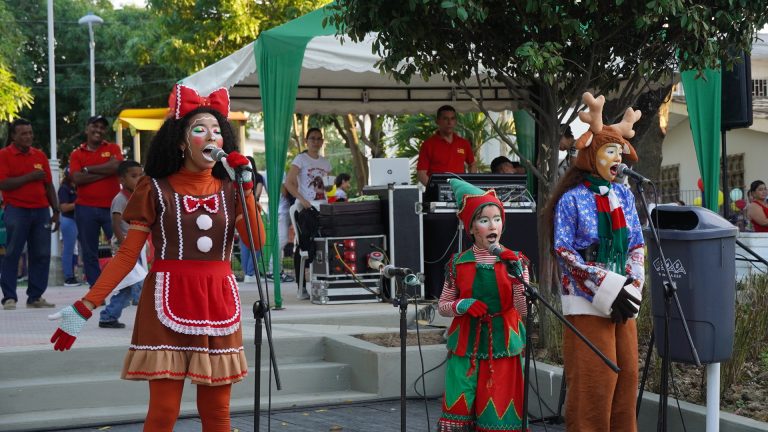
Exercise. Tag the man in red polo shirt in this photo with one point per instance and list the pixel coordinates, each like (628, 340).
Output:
(25, 179)
(93, 166)
(445, 151)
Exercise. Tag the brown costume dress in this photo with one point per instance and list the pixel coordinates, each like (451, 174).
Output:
(188, 318)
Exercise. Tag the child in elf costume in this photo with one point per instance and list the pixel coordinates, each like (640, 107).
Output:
(483, 379)
(598, 243)
(188, 319)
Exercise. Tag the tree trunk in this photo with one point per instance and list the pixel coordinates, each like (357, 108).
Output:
(359, 161)
(550, 329)
(349, 133)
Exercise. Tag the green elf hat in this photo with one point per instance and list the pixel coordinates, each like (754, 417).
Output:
(470, 199)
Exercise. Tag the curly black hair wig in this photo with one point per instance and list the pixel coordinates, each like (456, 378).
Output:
(165, 156)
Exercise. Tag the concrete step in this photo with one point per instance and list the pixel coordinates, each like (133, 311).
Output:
(116, 414)
(107, 389)
(28, 364)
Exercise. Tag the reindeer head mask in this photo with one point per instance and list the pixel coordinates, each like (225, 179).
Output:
(599, 136)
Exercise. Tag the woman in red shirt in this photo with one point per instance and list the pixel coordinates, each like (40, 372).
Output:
(757, 210)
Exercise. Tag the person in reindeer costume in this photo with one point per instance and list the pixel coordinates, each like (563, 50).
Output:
(188, 318)
(483, 378)
(598, 243)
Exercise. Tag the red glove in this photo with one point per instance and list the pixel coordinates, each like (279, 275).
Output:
(474, 307)
(235, 160)
(73, 320)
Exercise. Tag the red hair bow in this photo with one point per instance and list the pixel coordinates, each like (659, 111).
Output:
(184, 99)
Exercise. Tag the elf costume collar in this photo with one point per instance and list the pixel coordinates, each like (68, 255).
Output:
(611, 225)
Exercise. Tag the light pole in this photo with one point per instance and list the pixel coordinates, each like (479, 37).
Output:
(90, 20)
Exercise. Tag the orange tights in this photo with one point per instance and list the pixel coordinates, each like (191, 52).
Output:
(165, 402)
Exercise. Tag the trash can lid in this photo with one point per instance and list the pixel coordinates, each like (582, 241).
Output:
(691, 223)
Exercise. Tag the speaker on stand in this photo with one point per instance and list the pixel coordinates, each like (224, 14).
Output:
(735, 111)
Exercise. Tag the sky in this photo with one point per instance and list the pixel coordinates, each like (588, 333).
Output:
(121, 3)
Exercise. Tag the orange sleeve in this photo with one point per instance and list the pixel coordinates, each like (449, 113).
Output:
(118, 267)
(257, 225)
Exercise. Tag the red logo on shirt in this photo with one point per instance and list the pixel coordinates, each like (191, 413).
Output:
(460, 150)
(106, 154)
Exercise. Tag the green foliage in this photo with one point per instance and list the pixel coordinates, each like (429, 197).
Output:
(13, 96)
(751, 335)
(202, 32)
(140, 53)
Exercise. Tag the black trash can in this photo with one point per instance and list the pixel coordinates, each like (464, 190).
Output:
(700, 250)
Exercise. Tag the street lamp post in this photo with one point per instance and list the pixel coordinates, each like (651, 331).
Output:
(90, 20)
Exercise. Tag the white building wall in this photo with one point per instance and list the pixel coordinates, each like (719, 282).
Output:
(678, 149)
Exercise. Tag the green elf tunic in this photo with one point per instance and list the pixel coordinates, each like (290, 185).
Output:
(484, 374)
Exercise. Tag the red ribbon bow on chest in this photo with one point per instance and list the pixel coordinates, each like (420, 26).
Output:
(184, 99)
(210, 204)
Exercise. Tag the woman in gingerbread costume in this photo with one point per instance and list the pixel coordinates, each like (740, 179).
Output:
(188, 318)
(598, 243)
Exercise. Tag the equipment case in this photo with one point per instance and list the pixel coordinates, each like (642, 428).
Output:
(330, 277)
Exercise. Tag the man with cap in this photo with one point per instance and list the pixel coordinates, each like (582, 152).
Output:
(93, 166)
(598, 243)
(25, 180)
(483, 377)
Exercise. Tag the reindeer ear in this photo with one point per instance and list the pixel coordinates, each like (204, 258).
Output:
(584, 141)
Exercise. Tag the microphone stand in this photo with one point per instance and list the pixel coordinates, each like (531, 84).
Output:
(670, 293)
(531, 295)
(401, 300)
(260, 313)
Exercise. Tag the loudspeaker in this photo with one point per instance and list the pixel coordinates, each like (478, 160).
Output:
(736, 103)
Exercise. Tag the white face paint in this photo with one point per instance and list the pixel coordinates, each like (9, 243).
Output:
(487, 226)
(608, 160)
(203, 130)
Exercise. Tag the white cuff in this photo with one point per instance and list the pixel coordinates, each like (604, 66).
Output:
(607, 292)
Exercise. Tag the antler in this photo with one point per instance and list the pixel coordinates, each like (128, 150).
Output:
(625, 125)
(593, 117)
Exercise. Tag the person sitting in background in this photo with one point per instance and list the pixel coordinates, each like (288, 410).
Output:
(343, 184)
(502, 165)
(757, 209)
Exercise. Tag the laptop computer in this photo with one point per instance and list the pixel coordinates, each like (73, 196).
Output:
(384, 171)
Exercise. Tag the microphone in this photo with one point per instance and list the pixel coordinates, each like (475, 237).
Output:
(390, 271)
(624, 170)
(217, 154)
(496, 250)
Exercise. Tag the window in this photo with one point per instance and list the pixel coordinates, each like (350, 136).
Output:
(735, 172)
(670, 183)
(759, 87)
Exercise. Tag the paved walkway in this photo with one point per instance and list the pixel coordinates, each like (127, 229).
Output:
(383, 416)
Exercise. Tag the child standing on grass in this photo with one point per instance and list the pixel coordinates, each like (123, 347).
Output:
(129, 288)
(483, 377)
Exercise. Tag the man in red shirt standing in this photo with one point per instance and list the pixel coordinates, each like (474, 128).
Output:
(25, 179)
(93, 166)
(445, 151)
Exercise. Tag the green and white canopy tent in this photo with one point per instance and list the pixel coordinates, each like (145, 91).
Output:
(304, 67)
